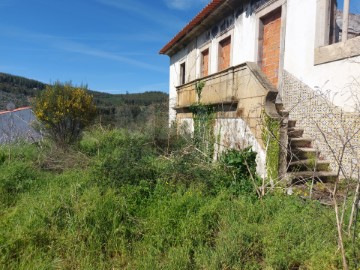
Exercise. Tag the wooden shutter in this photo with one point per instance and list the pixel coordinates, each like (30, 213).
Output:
(205, 63)
(224, 54)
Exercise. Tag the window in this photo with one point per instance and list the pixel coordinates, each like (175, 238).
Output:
(344, 20)
(182, 73)
(224, 53)
(337, 31)
(205, 63)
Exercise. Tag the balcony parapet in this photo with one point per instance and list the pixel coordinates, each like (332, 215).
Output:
(243, 85)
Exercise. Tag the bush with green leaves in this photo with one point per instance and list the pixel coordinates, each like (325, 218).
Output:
(242, 165)
(64, 111)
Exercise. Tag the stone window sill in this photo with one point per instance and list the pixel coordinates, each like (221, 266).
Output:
(337, 51)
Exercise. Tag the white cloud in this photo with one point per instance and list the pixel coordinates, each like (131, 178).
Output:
(185, 4)
(146, 11)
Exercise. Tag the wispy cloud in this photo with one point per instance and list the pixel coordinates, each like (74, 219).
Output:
(185, 4)
(67, 45)
(145, 11)
(79, 48)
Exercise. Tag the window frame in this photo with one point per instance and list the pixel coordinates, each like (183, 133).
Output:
(326, 49)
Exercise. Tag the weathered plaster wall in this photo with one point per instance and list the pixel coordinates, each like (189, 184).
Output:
(230, 133)
(236, 134)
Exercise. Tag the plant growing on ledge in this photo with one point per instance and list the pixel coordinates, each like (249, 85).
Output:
(198, 88)
(204, 118)
(64, 111)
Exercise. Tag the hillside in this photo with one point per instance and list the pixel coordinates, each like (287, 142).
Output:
(20, 90)
(120, 110)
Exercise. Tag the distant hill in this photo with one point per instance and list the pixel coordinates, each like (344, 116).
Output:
(20, 90)
(122, 110)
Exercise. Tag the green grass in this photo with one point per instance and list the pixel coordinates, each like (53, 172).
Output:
(130, 207)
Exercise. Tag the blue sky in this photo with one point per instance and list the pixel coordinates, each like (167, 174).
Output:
(110, 45)
(354, 6)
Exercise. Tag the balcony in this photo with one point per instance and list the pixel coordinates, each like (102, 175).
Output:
(244, 87)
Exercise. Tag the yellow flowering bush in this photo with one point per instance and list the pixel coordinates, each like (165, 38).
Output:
(64, 111)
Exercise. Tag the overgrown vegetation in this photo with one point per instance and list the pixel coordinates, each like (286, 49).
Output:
(126, 201)
(151, 199)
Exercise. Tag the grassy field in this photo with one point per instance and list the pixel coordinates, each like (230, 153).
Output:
(121, 200)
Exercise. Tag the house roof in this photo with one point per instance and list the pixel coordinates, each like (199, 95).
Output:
(17, 125)
(199, 18)
(18, 109)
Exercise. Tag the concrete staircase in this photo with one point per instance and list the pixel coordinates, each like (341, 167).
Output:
(305, 165)
(305, 162)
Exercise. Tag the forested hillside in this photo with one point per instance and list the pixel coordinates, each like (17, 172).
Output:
(120, 110)
(18, 90)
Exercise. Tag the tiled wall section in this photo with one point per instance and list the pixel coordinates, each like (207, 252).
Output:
(330, 127)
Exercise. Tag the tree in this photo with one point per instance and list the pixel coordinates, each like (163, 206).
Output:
(65, 111)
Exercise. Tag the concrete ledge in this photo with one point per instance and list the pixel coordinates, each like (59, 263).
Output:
(337, 51)
(225, 105)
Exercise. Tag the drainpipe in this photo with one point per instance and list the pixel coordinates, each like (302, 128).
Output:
(345, 25)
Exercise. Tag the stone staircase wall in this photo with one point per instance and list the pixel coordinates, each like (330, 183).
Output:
(328, 126)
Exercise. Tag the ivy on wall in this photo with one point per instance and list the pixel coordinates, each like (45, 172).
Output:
(271, 139)
(204, 122)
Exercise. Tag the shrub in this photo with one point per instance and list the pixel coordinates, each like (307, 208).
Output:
(242, 164)
(64, 111)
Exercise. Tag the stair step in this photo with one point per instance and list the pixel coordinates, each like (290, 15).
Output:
(305, 176)
(303, 153)
(309, 165)
(300, 142)
(284, 113)
(291, 123)
(295, 133)
(279, 106)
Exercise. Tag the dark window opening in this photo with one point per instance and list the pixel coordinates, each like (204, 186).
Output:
(182, 73)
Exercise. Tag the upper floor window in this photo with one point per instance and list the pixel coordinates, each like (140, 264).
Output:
(344, 20)
(337, 31)
(205, 63)
(182, 73)
(224, 53)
